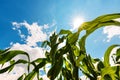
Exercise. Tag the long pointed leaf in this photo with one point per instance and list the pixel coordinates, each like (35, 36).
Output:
(7, 56)
(9, 67)
(30, 76)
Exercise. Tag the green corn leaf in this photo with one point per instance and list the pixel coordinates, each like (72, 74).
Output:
(41, 79)
(76, 50)
(88, 75)
(9, 67)
(55, 69)
(107, 17)
(53, 50)
(118, 54)
(22, 77)
(40, 65)
(79, 59)
(100, 66)
(96, 60)
(7, 56)
(39, 60)
(90, 66)
(82, 43)
(65, 32)
(91, 27)
(103, 24)
(84, 67)
(72, 38)
(62, 39)
(2, 51)
(67, 74)
(53, 39)
(107, 55)
(67, 64)
(118, 72)
(86, 25)
(90, 61)
(71, 57)
(109, 71)
(107, 23)
(102, 19)
(31, 75)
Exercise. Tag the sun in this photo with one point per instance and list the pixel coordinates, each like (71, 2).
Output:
(77, 22)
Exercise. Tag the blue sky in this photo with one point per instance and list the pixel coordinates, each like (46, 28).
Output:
(56, 15)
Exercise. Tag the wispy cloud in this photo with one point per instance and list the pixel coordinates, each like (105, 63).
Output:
(112, 31)
(35, 33)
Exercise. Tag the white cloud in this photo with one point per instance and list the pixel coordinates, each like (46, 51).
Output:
(35, 33)
(112, 31)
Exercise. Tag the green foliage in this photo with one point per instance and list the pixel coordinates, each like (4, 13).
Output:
(66, 61)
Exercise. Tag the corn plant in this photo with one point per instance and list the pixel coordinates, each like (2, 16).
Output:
(68, 60)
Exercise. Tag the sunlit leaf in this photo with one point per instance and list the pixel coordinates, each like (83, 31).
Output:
(82, 43)
(107, 17)
(107, 55)
(80, 58)
(65, 32)
(75, 50)
(109, 71)
(68, 65)
(100, 20)
(72, 38)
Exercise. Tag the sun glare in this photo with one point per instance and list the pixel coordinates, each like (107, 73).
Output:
(77, 22)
